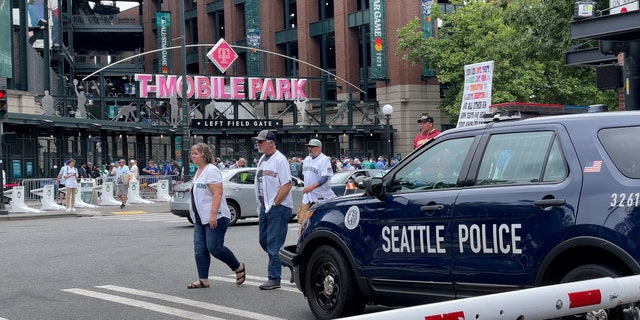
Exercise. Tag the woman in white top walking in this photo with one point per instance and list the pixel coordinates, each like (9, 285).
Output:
(211, 217)
(71, 183)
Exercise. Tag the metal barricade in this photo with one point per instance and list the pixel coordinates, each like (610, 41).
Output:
(148, 184)
(36, 184)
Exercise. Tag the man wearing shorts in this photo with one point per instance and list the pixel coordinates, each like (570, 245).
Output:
(121, 188)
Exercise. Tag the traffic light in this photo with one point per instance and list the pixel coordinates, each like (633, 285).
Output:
(4, 112)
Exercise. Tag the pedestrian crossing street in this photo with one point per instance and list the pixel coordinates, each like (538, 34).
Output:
(174, 305)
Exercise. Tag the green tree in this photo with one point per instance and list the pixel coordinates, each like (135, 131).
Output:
(526, 39)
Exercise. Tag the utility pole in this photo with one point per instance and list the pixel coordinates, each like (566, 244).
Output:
(3, 210)
(186, 133)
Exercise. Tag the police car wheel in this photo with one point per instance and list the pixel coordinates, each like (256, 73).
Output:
(595, 271)
(330, 288)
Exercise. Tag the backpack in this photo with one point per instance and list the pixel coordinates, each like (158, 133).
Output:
(124, 178)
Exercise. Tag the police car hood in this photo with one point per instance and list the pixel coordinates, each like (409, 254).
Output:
(348, 196)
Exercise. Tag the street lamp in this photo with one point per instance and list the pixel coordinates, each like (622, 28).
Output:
(387, 110)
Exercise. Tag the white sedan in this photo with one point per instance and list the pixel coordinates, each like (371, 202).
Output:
(238, 189)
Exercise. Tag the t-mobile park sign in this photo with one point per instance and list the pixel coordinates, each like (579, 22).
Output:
(163, 86)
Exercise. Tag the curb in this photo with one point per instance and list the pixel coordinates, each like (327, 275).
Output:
(88, 212)
(33, 216)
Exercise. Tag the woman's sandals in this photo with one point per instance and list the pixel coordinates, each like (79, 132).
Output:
(198, 285)
(241, 275)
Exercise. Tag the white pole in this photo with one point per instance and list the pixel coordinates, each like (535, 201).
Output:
(536, 303)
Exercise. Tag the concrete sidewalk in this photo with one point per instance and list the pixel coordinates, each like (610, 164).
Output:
(157, 207)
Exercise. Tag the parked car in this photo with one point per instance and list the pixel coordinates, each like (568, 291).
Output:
(239, 192)
(339, 180)
(479, 210)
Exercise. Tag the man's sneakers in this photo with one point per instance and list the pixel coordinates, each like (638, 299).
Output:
(73, 209)
(270, 285)
(68, 210)
(122, 206)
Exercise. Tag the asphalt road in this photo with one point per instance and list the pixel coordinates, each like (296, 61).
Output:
(108, 263)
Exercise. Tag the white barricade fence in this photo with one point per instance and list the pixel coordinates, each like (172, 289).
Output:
(17, 201)
(536, 303)
(47, 200)
(83, 185)
(162, 187)
(106, 195)
(133, 195)
(36, 184)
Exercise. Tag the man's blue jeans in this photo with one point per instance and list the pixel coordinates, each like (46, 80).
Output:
(273, 228)
(207, 240)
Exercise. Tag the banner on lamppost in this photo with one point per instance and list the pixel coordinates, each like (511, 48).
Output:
(6, 34)
(476, 97)
(378, 31)
(427, 32)
(254, 40)
(253, 37)
(163, 24)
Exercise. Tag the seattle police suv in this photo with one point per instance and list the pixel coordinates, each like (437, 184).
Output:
(480, 210)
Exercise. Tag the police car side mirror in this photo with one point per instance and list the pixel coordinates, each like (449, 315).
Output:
(359, 182)
(373, 187)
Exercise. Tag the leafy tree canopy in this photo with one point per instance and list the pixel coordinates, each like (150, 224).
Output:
(526, 39)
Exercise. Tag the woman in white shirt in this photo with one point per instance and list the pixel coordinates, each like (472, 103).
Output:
(71, 183)
(211, 218)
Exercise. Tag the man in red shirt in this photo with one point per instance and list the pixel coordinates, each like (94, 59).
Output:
(427, 133)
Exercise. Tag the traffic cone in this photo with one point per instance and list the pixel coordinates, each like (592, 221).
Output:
(350, 187)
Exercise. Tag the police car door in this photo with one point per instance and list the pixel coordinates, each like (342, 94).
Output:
(407, 231)
(522, 200)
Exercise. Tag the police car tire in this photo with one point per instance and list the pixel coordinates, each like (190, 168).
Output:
(328, 265)
(594, 271)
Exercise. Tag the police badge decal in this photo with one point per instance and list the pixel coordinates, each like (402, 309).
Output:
(352, 218)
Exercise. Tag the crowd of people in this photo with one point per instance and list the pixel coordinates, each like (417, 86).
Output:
(209, 209)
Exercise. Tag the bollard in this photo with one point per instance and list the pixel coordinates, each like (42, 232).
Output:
(84, 184)
(133, 195)
(48, 200)
(17, 201)
(162, 193)
(106, 195)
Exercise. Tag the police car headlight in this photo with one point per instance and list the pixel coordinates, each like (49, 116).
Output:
(307, 217)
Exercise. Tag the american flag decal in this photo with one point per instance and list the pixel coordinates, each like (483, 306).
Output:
(593, 166)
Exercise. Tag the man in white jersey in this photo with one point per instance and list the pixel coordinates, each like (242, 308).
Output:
(316, 169)
(275, 205)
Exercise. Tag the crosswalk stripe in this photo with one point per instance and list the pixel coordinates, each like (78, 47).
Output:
(284, 287)
(129, 212)
(189, 302)
(142, 304)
